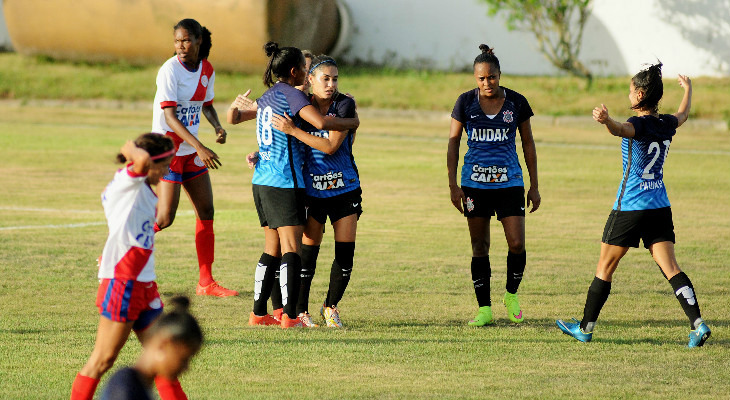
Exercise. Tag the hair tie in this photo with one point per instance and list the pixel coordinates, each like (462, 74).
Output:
(163, 155)
(311, 70)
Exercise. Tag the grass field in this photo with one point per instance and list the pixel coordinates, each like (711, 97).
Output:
(410, 295)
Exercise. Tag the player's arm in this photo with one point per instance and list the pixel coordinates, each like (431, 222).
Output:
(621, 129)
(327, 145)
(683, 112)
(242, 109)
(530, 152)
(452, 163)
(138, 157)
(311, 115)
(212, 116)
(207, 156)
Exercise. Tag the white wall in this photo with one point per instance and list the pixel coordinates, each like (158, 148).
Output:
(4, 36)
(688, 36)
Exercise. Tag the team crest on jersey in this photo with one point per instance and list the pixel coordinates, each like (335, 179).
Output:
(507, 116)
(204, 80)
(198, 161)
(469, 204)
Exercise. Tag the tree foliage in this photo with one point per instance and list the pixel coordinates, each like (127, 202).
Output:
(557, 26)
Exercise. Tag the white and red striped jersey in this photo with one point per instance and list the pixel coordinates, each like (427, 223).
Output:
(130, 207)
(189, 91)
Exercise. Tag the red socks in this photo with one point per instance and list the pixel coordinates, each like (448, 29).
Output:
(205, 245)
(169, 390)
(83, 387)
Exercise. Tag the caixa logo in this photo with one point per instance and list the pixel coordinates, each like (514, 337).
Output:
(145, 238)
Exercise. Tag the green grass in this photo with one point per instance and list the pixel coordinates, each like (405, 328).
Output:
(410, 295)
(28, 78)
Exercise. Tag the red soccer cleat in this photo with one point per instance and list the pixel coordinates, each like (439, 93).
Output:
(287, 322)
(214, 289)
(267, 319)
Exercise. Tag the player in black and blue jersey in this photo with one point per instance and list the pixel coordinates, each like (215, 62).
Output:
(491, 177)
(642, 209)
(278, 183)
(332, 186)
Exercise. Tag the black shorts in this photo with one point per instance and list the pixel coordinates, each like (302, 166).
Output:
(335, 207)
(279, 206)
(625, 228)
(483, 203)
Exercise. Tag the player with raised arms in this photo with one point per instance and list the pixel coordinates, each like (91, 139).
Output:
(127, 298)
(278, 184)
(491, 178)
(184, 93)
(169, 345)
(332, 186)
(642, 209)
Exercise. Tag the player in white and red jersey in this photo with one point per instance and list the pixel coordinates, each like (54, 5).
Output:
(127, 297)
(184, 92)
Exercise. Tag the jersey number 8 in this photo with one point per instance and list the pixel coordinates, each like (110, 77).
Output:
(264, 132)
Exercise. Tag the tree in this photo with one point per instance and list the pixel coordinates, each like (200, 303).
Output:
(557, 26)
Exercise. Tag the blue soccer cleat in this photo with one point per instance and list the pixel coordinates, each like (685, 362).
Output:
(573, 329)
(698, 336)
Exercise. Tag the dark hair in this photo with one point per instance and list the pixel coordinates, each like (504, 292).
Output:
(153, 143)
(650, 82)
(320, 61)
(281, 61)
(194, 28)
(487, 56)
(179, 324)
(308, 54)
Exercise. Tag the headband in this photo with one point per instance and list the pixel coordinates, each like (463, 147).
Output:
(329, 61)
(163, 155)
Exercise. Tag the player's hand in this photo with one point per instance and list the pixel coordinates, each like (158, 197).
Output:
(533, 197)
(209, 158)
(251, 159)
(220, 135)
(684, 81)
(283, 123)
(600, 114)
(242, 102)
(457, 197)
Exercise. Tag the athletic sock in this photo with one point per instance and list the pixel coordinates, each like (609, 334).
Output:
(276, 290)
(169, 389)
(340, 272)
(481, 273)
(265, 269)
(597, 295)
(291, 265)
(309, 266)
(685, 293)
(515, 268)
(205, 245)
(83, 387)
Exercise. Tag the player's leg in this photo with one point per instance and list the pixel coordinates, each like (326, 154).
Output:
(110, 338)
(345, 235)
(268, 264)
(168, 198)
(290, 239)
(481, 270)
(514, 232)
(311, 240)
(200, 192)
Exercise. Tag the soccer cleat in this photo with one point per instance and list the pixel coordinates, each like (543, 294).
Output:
(573, 329)
(287, 322)
(513, 307)
(484, 317)
(277, 313)
(214, 289)
(267, 319)
(332, 317)
(698, 336)
(307, 320)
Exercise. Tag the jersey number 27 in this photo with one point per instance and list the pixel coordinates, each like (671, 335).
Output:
(656, 149)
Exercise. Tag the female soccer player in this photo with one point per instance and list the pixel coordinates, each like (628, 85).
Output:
(333, 189)
(278, 184)
(127, 297)
(491, 178)
(642, 209)
(184, 92)
(169, 345)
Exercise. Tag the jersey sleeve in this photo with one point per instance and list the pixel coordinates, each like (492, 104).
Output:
(458, 112)
(638, 123)
(166, 87)
(209, 94)
(346, 107)
(524, 111)
(297, 100)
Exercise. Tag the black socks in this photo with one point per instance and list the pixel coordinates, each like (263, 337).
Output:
(515, 269)
(309, 265)
(685, 293)
(264, 282)
(340, 272)
(597, 296)
(481, 273)
(291, 266)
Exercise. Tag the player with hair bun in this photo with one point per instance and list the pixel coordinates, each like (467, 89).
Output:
(642, 210)
(278, 183)
(169, 345)
(332, 186)
(184, 93)
(491, 178)
(127, 298)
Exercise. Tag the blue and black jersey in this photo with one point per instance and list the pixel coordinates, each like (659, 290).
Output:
(642, 186)
(491, 161)
(331, 175)
(280, 155)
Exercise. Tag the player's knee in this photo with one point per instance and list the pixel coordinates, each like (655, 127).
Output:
(516, 246)
(480, 248)
(99, 364)
(206, 213)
